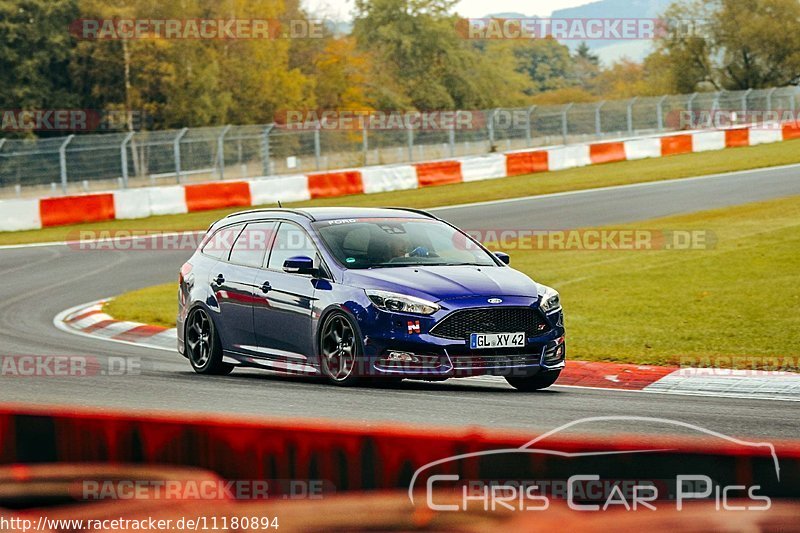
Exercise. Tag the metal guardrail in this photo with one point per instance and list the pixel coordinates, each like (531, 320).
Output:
(130, 159)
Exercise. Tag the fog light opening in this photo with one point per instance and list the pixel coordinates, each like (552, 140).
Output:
(402, 357)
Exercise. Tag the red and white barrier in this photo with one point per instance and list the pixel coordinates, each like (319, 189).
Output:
(570, 156)
(16, 215)
(389, 178)
(763, 136)
(487, 167)
(132, 204)
(526, 162)
(642, 148)
(708, 140)
(284, 189)
(168, 200)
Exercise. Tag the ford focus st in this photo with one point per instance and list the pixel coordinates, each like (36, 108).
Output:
(355, 294)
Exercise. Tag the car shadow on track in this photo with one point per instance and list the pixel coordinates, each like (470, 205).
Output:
(450, 385)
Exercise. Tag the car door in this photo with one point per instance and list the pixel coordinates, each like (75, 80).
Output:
(283, 316)
(234, 281)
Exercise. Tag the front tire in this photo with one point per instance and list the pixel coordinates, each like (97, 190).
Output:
(203, 345)
(340, 350)
(533, 383)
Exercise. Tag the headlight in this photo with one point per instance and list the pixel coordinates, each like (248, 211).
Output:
(401, 303)
(550, 300)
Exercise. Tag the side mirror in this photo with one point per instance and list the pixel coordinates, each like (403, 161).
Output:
(503, 257)
(299, 264)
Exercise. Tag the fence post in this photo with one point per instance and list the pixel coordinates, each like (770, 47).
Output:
(491, 127)
(529, 127)
(715, 103)
(176, 152)
(317, 146)
(564, 128)
(630, 114)
(410, 144)
(123, 157)
(744, 101)
(792, 98)
(2, 142)
(597, 128)
(266, 157)
(769, 98)
(221, 151)
(660, 112)
(62, 160)
(365, 142)
(451, 139)
(689, 102)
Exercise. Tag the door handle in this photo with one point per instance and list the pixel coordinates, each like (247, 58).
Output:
(266, 287)
(220, 279)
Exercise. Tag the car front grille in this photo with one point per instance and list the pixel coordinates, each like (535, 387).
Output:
(459, 324)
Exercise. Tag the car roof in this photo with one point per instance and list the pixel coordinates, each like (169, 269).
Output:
(328, 213)
(336, 213)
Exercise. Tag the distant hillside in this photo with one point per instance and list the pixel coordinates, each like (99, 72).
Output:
(609, 50)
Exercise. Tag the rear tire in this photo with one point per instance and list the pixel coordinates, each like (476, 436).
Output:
(539, 381)
(203, 345)
(340, 350)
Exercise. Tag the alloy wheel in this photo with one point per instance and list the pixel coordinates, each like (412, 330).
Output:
(198, 338)
(339, 348)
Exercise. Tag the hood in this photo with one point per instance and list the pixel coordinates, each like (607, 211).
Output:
(437, 283)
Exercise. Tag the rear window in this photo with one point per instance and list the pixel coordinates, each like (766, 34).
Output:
(251, 245)
(219, 245)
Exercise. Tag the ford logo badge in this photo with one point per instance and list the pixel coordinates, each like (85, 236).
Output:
(495, 300)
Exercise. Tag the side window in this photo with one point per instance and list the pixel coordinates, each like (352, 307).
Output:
(251, 246)
(291, 240)
(219, 245)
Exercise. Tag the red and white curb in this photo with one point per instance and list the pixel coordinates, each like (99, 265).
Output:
(89, 320)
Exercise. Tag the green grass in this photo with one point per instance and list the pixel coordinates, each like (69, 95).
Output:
(739, 299)
(622, 173)
(154, 305)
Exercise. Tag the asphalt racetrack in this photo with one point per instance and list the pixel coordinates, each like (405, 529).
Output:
(41, 281)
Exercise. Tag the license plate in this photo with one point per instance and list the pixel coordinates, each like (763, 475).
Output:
(478, 341)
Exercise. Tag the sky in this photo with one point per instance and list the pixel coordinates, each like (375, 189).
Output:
(340, 9)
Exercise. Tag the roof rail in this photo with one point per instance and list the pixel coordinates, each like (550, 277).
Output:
(412, 210)
(273, 210)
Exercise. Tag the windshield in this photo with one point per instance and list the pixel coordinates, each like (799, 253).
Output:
(399, 242)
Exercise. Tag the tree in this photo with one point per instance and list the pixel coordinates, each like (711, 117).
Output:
(546, 62)
(585, 65)
(738, 44)
(759, 42)
(417, 43)
(36, 54)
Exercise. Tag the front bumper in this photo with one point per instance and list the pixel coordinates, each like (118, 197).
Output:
(400, 345)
